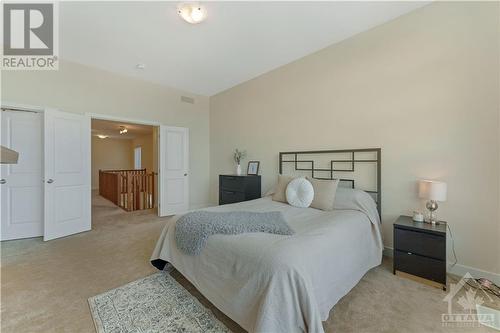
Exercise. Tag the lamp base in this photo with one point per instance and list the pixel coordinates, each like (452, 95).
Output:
(432, 206)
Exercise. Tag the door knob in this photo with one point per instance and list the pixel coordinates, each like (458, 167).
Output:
(3, 181)
(50, 181)
(185, 174)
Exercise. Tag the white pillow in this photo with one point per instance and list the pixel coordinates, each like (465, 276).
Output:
(300, 193)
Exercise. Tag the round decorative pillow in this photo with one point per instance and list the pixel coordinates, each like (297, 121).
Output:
(300, 193)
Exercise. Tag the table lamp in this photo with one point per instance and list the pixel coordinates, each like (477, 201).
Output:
(433, 191)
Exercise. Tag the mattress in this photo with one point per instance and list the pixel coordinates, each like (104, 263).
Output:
(275, 283)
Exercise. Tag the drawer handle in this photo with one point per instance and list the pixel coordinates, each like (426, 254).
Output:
(229, 192)
(410, 253)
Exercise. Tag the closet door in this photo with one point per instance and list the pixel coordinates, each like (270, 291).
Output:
(67, 174)
(21, 184)
(174, 170)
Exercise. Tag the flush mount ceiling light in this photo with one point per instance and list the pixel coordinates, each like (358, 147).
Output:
(123, 130)
(193, 13)
(140, 66)
(100, 136)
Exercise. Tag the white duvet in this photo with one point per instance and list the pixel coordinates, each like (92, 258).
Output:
(275, 283)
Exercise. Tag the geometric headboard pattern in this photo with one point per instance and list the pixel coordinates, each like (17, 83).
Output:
(355, 168)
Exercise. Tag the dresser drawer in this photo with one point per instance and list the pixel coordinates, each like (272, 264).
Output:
(428, 268)
(232, 183)
(234, 189)
(429, 245)
(228, 197)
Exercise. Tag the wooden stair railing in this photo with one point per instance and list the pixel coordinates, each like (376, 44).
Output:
(128, 189)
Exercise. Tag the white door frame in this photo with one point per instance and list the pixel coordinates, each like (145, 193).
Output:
(140, 122)
(122, 119)
(22, 107)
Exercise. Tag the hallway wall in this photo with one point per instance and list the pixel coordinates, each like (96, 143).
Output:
(122, 156)
(147, 151)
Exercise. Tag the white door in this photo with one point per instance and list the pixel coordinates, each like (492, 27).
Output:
(137, 158)
(174, 170)
(21, 183)
(67, 174)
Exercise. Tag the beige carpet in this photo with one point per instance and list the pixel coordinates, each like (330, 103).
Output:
(45, 285)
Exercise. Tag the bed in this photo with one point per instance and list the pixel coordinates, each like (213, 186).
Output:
(275, 283)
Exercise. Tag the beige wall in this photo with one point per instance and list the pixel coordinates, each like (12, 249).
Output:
(109, 154)
(80, 89)
(147, 152)
(424, 88)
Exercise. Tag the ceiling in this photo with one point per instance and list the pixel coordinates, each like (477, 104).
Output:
(112, 129)
(237, 42)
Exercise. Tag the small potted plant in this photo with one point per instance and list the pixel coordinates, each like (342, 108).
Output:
(238, 157)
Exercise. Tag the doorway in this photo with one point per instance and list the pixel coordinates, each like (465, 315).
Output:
(124, 165)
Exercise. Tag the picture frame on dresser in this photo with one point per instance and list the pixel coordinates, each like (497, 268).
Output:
(253, 168)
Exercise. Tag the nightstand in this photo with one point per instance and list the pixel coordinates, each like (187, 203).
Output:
(234, 188)
(420, 251)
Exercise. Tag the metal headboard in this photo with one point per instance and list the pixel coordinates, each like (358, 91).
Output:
(348, 159)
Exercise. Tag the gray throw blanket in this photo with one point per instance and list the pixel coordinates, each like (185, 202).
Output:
(192, 229)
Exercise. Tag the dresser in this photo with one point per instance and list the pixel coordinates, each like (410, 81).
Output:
(420, 251)
(233, 188)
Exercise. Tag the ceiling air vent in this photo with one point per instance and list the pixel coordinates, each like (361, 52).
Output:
(186, 99)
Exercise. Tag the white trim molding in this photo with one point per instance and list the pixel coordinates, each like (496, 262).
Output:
(22, 107)
(122, 119)
(388, 252)
(459, 270)
(199, 206)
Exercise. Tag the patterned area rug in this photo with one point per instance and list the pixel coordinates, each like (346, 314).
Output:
(156, 303)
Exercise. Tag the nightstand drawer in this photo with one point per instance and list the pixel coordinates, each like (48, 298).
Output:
(228, 197)
(421, 243)
(428, 268)
(233, 183)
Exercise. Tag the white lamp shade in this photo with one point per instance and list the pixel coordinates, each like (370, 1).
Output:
(432, 190)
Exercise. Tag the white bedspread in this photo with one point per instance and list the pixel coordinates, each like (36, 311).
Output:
(275, 283)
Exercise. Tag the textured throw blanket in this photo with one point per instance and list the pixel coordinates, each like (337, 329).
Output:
(193, 229)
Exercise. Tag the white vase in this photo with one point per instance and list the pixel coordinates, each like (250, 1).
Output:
(238, 170)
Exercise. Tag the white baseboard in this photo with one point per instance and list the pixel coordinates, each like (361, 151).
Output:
(459, 270)
(388, 252)
(199, 206)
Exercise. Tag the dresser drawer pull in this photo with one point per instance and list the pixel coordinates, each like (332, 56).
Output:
(410, 253)
(229, 192)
